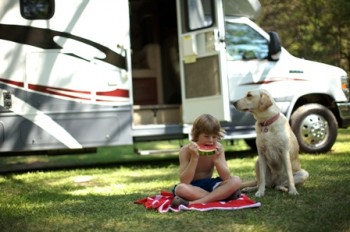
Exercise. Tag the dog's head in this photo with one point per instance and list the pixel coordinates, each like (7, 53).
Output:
(255, 101)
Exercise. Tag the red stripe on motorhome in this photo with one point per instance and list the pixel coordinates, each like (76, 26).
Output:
(55, 91)
(115, 93)
(16, 83)
(123, 93)
(58, 91)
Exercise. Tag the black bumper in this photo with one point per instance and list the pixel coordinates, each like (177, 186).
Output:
(344, 113)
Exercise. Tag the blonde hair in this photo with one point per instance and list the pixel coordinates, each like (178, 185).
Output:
(206, 124)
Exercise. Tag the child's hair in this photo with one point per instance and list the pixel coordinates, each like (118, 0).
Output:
(206, 124)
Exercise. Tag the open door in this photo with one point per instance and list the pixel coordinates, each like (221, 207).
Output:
(202, 59)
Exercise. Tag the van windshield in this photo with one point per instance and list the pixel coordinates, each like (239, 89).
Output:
(244, 43)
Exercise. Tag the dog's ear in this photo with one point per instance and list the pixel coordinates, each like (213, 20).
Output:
(264, 102)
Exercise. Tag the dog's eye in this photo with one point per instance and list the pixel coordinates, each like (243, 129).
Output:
(249, 95)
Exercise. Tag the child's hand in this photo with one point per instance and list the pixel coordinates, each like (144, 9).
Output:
(219, 151)
(193, 148)
(219, 148)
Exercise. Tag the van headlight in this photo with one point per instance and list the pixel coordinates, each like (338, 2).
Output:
(345, 86)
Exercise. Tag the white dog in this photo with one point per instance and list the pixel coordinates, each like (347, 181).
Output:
(278, 164)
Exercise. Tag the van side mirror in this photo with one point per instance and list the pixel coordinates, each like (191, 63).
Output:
(274, 46)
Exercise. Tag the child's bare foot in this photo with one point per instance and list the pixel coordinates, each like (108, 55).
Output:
(178, 201)
(234, 196)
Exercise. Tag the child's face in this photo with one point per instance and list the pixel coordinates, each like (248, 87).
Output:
(207, 139)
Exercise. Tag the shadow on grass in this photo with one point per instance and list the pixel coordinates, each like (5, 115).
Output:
(156, 162)
(57, 210)
(321, 206)
(323, 203)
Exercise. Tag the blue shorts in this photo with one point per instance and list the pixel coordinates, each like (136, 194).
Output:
(208, 184)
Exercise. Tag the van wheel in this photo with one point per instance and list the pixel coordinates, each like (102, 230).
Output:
(315, 127)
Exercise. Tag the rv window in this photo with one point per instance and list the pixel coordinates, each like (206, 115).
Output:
(199, 14)
(37, 9)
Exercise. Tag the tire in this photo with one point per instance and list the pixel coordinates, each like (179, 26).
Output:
(315, 127)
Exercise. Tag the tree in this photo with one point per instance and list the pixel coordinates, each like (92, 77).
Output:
(316, 30)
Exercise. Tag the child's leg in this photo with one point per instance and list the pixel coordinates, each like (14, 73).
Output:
(225, 190)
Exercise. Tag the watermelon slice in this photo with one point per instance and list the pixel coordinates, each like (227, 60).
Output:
(207, 149)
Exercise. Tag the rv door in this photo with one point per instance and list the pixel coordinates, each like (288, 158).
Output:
(202, 59)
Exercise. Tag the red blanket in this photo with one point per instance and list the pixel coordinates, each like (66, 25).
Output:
(162, 202)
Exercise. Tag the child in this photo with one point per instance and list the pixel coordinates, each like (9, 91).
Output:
(196, 182)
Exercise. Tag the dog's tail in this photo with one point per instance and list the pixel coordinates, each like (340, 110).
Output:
(251, 183)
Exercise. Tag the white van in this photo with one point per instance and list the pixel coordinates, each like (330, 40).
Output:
(77, 75)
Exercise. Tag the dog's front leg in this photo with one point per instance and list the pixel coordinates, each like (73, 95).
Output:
(261, 177)
(287, 163)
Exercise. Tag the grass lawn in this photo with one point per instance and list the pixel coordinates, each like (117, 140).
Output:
(100, 198)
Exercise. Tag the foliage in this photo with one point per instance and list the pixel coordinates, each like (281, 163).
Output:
(316, 30)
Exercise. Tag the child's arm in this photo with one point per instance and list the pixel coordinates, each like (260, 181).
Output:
(221, 164)
(188, 159)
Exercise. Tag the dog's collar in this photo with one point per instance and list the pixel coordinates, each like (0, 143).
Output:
(269, 121)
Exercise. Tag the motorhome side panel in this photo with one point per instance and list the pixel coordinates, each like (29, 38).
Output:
(67, 74)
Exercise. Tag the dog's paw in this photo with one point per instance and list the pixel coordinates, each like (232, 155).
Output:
(259, 193)
(281, 188)
(248, 189)
(293, 192)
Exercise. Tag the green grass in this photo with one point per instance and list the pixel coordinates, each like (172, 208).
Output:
(101, 198)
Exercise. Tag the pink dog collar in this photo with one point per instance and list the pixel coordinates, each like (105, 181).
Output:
(268, 122)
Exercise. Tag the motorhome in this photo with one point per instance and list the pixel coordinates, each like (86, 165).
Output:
(81, 74)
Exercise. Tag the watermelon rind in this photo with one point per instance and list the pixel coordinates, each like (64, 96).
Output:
(206, 151)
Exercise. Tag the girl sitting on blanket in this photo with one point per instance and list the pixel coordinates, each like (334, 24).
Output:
(196, 182)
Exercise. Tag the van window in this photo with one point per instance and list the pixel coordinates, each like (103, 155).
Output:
(244, 43)
(200, 14)
(37, 9)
